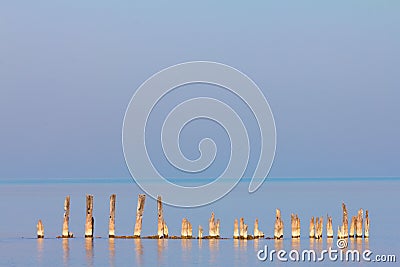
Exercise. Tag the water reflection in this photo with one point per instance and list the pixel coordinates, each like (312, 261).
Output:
(296, 244)
(40, 246)
(255, 245)
(278, 244)
(139, 251)
(65, 246)
(213, 245)
(200, 243)
(89, 251)
(111, 251)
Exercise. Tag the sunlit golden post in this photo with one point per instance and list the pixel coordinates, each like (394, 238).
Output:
(366, 228)
(359, 224)
(329, 228)
(111, 222)
(312, 228)
(40, 229)
(353, 226)
(257, 233)
(200, 233)
(89, 225)
(236, 229)
(65, 228)
(278, 228)
(162, 229)
(139, 215)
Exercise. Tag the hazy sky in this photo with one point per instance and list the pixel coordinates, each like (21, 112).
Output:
(330, 72)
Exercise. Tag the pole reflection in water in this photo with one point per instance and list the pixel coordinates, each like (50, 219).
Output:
(359, 245)
(111, 250)
(40, 246)
(89, 251)
(278, 244)
(256, 241)
(65, 246)
(213, 245)
(139, 251)
(296, 244)
(186, 245)
(200, 243)
(329, 243)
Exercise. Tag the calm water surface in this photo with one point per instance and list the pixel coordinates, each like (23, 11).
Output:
(22, 204)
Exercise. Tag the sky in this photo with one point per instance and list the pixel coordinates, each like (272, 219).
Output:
(330, 73)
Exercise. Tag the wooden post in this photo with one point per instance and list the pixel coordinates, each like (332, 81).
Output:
(295, 221)
(217, 225)
(211, 226)
(366, 228)
(245, 231)
(312, 228)
(111, 222)
(235, 229)
(200, 234)
(345, 229)
(278, 229)
(329, 229)
(89, 225)
(353, 226)
(241, 228)
(162, 229)
(65, 228)
(320, 227)
(317, 224)
(139, 215)
(184, 228)
(359, 223)
(40, 229)
(257, 232)
(190, 230)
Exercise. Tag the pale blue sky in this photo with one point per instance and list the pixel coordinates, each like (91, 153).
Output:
(329, 71)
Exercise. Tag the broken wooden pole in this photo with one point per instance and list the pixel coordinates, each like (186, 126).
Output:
(345, 230)
(139, 215)
(257, 233)
(353, 226)
(241, 228)
(65, 229)
(162, 229)
(312, 227)
(366, 227)
(329, 229)
(184, 228)
(89, 225)
(359, 224)
(235, 229)
(111, 222)
(217, 225)
(212, 226)
(200, 234)
(278, 229)
(295, 221)
(190, 230)
(245, 228)
(40, 229)
(319, 227)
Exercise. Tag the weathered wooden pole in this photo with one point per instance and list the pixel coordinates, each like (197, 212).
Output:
(359, 223)
(111, 222)
(278, 229)
(190, 230)
(366, 228)
(40, 229)
(184, 228)
(65, 229)
(212, 231)
(353, 226)
(162, 229)
(329, 229)
(245, 231)
(200, 234)
(345, 230)
(236, 229)
(139, 215)
(319, 227)
(257, 232)
(295, 221)
(317, 224)
(89, 225)
(217, 225)
(312, 227)
(241, 227)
